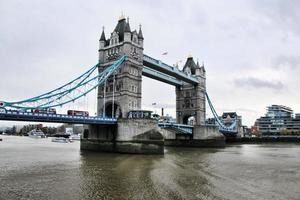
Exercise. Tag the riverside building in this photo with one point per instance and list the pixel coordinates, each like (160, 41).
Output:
(279, 120)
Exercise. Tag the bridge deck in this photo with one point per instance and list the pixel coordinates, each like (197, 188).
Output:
(54, 118)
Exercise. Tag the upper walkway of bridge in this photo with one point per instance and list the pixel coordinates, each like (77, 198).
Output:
(160, 71)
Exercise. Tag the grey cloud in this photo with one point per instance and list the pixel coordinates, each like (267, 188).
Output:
(252, 82)
(284, 13)
(284, 61)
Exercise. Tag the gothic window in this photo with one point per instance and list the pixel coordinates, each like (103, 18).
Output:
(187, 94)
(116, 40)
(132, 88)
(187, 103)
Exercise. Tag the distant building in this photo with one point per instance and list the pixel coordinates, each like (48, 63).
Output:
(279, 120)
(227, 119)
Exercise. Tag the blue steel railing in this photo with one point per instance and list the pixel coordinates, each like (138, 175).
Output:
(183, 128)
(55, 118)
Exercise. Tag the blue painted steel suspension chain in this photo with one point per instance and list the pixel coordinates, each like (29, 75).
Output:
(53, 97)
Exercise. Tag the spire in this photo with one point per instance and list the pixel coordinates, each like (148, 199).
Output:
(122, 16)
(102, 38)
(127, 26)
(203, 66)
(140, 35)
(190, 63)
(197, 65)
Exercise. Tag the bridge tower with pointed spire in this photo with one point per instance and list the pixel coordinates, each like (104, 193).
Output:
(122, 92)
(190, 99)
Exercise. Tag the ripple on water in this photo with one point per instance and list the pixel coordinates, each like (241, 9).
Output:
(40, 169)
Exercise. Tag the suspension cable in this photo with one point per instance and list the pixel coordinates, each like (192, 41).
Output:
(104, 92)
(113, 98)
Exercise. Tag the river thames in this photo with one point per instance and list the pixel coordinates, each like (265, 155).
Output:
(40, 169)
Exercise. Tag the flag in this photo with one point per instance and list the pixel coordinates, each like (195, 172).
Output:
(164, 54)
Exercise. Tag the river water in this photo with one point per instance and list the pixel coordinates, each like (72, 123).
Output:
(38, 169)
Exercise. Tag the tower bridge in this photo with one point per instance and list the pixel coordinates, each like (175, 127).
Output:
(118, 80)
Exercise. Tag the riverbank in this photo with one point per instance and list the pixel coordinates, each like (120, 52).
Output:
(259, 140)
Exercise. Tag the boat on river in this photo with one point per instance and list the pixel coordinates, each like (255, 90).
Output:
(61, 140)
(36, 134)
(75, 137)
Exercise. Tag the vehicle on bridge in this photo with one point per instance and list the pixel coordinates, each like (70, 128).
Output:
(44, 110)
(138, 114)
(78, 113)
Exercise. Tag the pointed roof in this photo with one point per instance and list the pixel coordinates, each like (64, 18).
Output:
(202, 67)
(140, 35)
(120, 28)
(102, 38)
(197, 64)
(190, 63)
(127, 26)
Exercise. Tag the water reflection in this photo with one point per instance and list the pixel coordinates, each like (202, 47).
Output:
(40, 169)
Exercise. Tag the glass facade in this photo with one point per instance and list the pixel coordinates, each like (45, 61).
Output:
(279, 120)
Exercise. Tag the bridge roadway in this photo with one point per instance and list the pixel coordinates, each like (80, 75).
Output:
(60, 118)
(55, 118)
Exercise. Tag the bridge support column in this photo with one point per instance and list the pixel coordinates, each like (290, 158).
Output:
(208, 136)
(137, 136)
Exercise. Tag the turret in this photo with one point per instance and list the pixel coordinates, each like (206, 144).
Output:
(203, 69)
(141, 37)
(102, 40)
(127, 32)
(190, 65)
(198, 69)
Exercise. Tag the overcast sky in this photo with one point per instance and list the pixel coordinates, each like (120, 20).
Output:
(250, 48)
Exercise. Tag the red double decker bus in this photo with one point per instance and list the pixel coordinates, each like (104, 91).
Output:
(78, 113)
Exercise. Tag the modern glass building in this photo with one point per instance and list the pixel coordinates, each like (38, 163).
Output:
(279, 120)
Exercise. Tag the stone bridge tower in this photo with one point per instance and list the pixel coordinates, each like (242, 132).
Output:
(122, 93)
(190, 99)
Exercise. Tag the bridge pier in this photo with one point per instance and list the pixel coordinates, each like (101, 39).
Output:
(203, 136)
(137, 136)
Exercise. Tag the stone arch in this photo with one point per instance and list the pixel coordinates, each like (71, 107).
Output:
(109, 108)
(189, 120)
